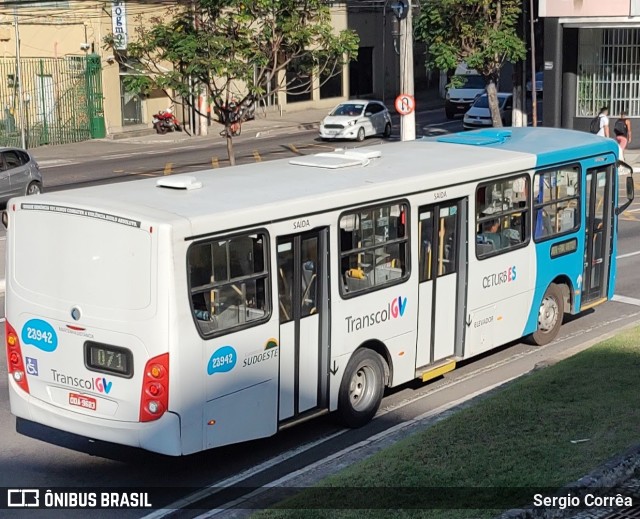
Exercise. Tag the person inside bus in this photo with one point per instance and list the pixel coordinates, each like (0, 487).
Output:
(492, 234)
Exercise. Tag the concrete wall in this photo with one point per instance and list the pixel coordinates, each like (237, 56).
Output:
(564, 8)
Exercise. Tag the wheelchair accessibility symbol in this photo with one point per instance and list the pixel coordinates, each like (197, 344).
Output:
(32, 366)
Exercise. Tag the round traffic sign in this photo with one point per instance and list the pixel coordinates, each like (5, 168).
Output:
(405, 104)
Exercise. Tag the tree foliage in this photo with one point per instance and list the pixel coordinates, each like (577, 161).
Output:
(236, 50)
(480, 33)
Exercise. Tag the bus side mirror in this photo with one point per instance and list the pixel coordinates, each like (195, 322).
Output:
(623, 168)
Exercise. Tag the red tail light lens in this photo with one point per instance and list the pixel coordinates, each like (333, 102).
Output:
(155, 388)
(14, 356)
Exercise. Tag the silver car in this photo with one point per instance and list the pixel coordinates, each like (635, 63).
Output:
(19, 174)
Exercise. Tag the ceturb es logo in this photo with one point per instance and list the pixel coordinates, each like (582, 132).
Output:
(394, 310)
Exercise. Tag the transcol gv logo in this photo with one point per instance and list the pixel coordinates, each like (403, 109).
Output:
(98, 384)
(394, 310)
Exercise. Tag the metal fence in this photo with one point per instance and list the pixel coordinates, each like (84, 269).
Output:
(61, 100)
(609, 71)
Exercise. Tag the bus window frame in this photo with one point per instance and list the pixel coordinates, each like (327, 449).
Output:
(527, 218)
(535, 207)
(407, 239)
(266, 274)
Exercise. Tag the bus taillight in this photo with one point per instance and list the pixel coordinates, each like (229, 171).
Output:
(155, 388)
(15, 363)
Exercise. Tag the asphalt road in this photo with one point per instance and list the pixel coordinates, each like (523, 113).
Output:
(27, 462)
(142, 161)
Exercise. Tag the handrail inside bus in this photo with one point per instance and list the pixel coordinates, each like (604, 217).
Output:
(630, 186)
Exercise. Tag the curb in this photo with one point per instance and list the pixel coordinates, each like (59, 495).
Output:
(312, 474)
(608, 478)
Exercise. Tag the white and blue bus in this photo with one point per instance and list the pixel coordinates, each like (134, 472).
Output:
(192, 312)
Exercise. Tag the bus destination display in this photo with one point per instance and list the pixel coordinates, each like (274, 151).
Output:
(109, 359)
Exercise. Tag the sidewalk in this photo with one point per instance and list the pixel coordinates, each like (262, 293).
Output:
(266, 123)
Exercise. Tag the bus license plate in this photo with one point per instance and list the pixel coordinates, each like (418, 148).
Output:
(86, 402)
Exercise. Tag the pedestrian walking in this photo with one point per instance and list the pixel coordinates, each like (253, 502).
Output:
(622, 130)
(603, 119)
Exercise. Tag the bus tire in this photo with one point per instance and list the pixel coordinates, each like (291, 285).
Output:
(361, 389)
(550, 315)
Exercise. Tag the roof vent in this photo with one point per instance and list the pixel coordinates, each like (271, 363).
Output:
(179, 182)
(338, 159)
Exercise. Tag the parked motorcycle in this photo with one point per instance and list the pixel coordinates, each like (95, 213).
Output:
(164, 121)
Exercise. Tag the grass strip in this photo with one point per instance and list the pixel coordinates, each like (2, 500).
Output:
(520, 438)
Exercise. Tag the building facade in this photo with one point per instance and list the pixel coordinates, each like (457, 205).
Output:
(67, 86)
(591, 60)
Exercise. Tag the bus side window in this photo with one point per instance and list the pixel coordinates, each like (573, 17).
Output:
(228, 282)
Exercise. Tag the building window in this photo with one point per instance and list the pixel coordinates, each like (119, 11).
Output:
(608, 71)
(228, 282)
(373, 247)
(331, 86)
(361, 73)
(131, 102)
(556, 200)
(299, 81)
(502, 212)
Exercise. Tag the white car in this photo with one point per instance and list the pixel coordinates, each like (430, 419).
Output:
(479, 115)
(356, 119)
(460, 98)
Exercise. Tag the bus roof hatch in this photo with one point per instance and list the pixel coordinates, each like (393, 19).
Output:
(179, 182)
(337, 159)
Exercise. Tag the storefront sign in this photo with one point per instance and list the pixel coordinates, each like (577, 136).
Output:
(119, 16)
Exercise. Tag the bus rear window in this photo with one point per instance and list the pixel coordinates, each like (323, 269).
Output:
(83, 260)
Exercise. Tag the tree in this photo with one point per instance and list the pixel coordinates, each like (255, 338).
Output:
(237, 51)
(480, 33)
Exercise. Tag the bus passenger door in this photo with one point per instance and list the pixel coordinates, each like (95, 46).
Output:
(442, 260)
(598, 229)
(304, 332)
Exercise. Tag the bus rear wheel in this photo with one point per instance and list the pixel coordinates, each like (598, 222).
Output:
(550, 315)
(361, 389)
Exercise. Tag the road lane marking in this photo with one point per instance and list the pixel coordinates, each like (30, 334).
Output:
(256, 156)
(118, 170)
(217, 487)
(293, 148)
(168, 168)
(246, 474)
(628, 255)
(372, 439)
(625, 299)
(215, 163)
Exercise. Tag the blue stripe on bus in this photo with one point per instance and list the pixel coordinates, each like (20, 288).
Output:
(552, 146)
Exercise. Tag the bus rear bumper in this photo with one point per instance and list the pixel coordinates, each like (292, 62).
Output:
(161, 436)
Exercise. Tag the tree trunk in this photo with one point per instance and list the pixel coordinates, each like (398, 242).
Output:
(230, 152)
(492, 94)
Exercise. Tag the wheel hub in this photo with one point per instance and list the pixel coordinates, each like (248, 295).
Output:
(548, 314)
(361, 387)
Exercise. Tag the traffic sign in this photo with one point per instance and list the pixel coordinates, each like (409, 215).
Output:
(405, 104)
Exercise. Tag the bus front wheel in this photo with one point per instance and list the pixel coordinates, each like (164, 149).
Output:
(361, 389)
(550, 315)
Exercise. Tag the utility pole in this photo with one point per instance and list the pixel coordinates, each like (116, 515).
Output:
(534, 92)
(19, 78)
(407, 122)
